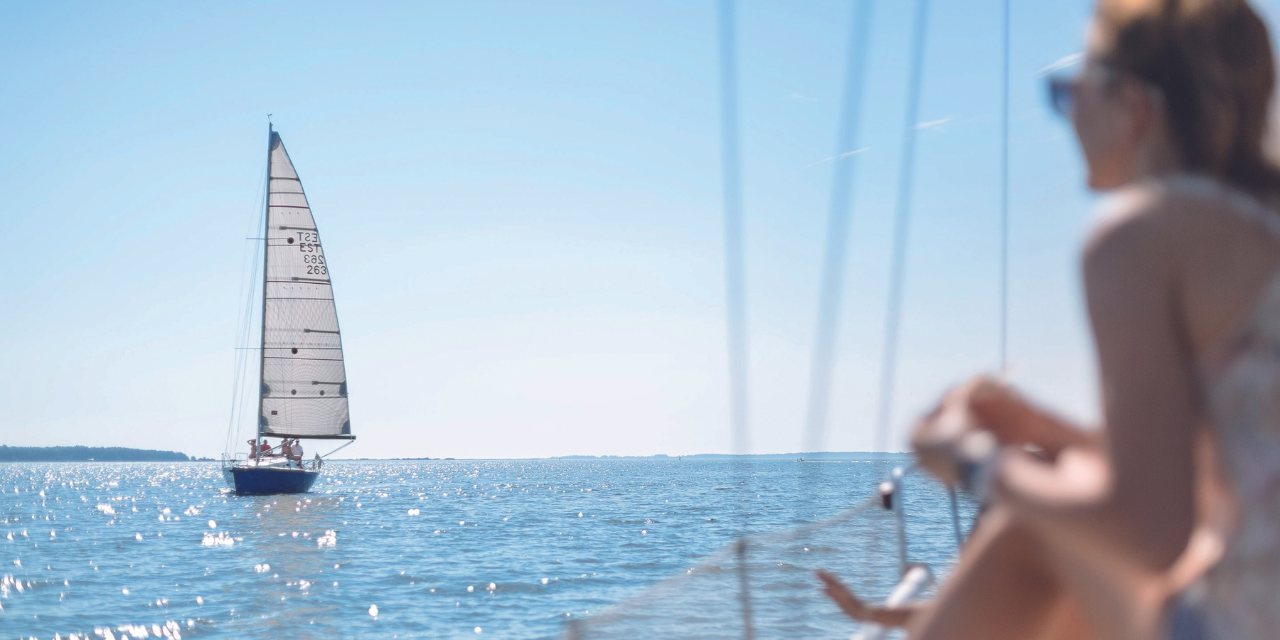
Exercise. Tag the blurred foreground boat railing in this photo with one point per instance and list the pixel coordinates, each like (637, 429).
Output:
(763, 586)
(914, 583)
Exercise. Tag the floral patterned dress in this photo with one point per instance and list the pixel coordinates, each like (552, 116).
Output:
(1239, 599)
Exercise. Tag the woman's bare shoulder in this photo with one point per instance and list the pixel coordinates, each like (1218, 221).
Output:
(1156, 218)
(1131, 223)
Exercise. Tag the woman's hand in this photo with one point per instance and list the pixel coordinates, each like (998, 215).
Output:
(1010, 418)
(843, 597)
(937, 438)
(988, 404)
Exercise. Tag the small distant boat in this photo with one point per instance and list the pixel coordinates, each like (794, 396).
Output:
(303, 378)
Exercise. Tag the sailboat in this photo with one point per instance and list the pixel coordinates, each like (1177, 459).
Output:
(303, 378)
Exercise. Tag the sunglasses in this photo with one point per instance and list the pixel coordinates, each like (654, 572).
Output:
(1061, 87)
(1061, 93)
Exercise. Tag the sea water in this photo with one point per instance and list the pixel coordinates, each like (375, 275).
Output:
(504, 548)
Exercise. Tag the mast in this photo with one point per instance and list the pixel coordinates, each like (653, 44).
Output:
(266, 225)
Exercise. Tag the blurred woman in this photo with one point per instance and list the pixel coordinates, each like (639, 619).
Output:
(1182, 278)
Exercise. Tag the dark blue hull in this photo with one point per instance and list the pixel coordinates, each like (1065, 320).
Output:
(249, 481)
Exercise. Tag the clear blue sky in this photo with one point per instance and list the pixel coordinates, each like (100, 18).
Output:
(520, 204)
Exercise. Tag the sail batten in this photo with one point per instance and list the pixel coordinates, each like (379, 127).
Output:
(300, 334)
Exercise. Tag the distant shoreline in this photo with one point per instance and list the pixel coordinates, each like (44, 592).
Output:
(819, 456)
(124, 454)
(90, 454)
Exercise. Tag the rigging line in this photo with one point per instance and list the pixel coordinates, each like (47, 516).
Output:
(243, 334)
(901, 227)
(238, 394)
(735, 281)
(1004, 197)
(841, 206)
(734, 268)
(1003, 349)
(734, 261)
(240, 358)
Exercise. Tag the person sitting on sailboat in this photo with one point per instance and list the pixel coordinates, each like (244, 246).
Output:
(296, 449)
(292, 449)
(253, 449)
(264, 449)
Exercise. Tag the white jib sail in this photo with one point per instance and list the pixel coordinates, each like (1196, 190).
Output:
(304, 380)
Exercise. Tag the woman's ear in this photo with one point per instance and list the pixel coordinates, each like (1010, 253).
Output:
(1146, 109)
(1138, 108)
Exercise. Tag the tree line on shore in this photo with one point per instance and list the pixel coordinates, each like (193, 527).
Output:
(86, 454)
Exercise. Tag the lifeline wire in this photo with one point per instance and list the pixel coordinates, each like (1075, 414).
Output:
(841, 205)
(901, 227)
(714, 562)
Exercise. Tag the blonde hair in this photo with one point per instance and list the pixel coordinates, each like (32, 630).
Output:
(1212, 62)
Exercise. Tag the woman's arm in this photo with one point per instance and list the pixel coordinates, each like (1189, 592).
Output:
(987, 404)
(1137, 496)
(1015, 421)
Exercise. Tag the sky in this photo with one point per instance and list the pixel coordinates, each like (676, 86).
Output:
(521, 209)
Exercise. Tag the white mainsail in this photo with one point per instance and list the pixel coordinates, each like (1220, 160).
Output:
(304, 380)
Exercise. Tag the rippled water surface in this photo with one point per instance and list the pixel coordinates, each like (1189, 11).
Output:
(504, 548)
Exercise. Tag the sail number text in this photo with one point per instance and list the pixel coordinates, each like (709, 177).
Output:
(312, 257)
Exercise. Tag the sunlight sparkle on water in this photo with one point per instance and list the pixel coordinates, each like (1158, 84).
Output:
(74, 577)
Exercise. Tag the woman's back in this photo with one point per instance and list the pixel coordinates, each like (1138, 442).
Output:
(1226, 246)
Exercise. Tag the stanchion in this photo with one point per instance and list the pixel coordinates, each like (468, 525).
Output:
(744, 594)
(913, 582)
(955, 517)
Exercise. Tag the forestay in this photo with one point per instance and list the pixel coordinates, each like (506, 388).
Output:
(304, 380)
